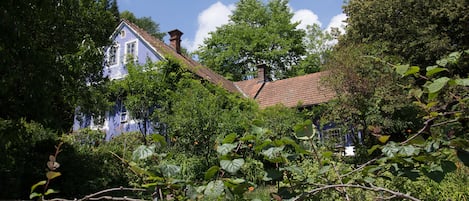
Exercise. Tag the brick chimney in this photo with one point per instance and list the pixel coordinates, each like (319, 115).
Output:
(262, 73)
(175, 40)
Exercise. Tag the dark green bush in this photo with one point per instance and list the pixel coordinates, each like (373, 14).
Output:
(24, 147)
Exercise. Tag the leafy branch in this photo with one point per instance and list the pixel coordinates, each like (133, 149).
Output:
(52, 166)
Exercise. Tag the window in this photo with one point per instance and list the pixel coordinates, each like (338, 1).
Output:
(131, 51)
(333, 137)
(123, 114)
(113, 55)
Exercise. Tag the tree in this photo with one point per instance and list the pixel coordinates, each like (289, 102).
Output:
(146, 23)
(256, 33)
(368, 94)
(139, 92)
(197, 113)
(420, 32)
(318, 46)
(50, 52)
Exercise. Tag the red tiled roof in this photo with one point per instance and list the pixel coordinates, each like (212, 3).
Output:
(191, 65)
(305, 90)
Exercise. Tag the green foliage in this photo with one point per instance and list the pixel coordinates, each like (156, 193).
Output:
(50, 51)
(52, 166)
(257, 33)
(318, 48)
(99, 168)
(140, 92)
(280, 120)
(249, 161)
(196, 113)
(420, 32)
(433, 148)
(163, 177)
(369, 96)
(23, 145)
(146, 23)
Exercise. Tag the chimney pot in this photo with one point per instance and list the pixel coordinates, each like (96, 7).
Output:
(262, 73)
(175, 40)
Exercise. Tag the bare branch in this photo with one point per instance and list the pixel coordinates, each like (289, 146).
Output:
(93, 196)
(373, 188)
(360, 167)
(125, 198)
(112, 189)
(425, 127)
(445, 122)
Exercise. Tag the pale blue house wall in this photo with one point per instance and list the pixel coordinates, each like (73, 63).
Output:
(115, 122)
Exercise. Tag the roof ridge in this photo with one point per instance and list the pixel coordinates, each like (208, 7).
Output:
(192, 65)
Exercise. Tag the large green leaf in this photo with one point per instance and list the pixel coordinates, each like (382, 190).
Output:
(437, 85)
(373, 148)
(143, 152)
(170, 170)
(448, 166)
(453, 57)
(248, 137)
(412, 70)
(52, 174)
(230, 138)
(259, 130)
(34, 194)
(409, 150)
(232, 166)
(261, 146)
(211, 172)
(462, 82)
(236, 180)
(305, 130)
(463, 156)
(40, 183)
(272, 175)
(402, 69)
(431, 70)
(294, 169)
(390, 149)
(226, 148)
(273, 152)
(416, 93)
(50, 191)
(214, 189)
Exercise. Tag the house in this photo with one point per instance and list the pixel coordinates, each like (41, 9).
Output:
(132, 42)
(301, 91)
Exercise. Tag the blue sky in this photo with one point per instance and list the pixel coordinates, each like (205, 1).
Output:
(196, 18)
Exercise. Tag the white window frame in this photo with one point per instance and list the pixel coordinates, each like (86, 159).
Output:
(123, 114)
(135, 53)
(335, 135)
(117, 47)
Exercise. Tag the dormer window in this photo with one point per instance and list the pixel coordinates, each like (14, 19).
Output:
(131, 51)
(113, 55)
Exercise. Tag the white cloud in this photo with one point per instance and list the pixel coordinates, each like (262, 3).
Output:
(218, 14)
(338, 21)
(209, 19)
(305, 17)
